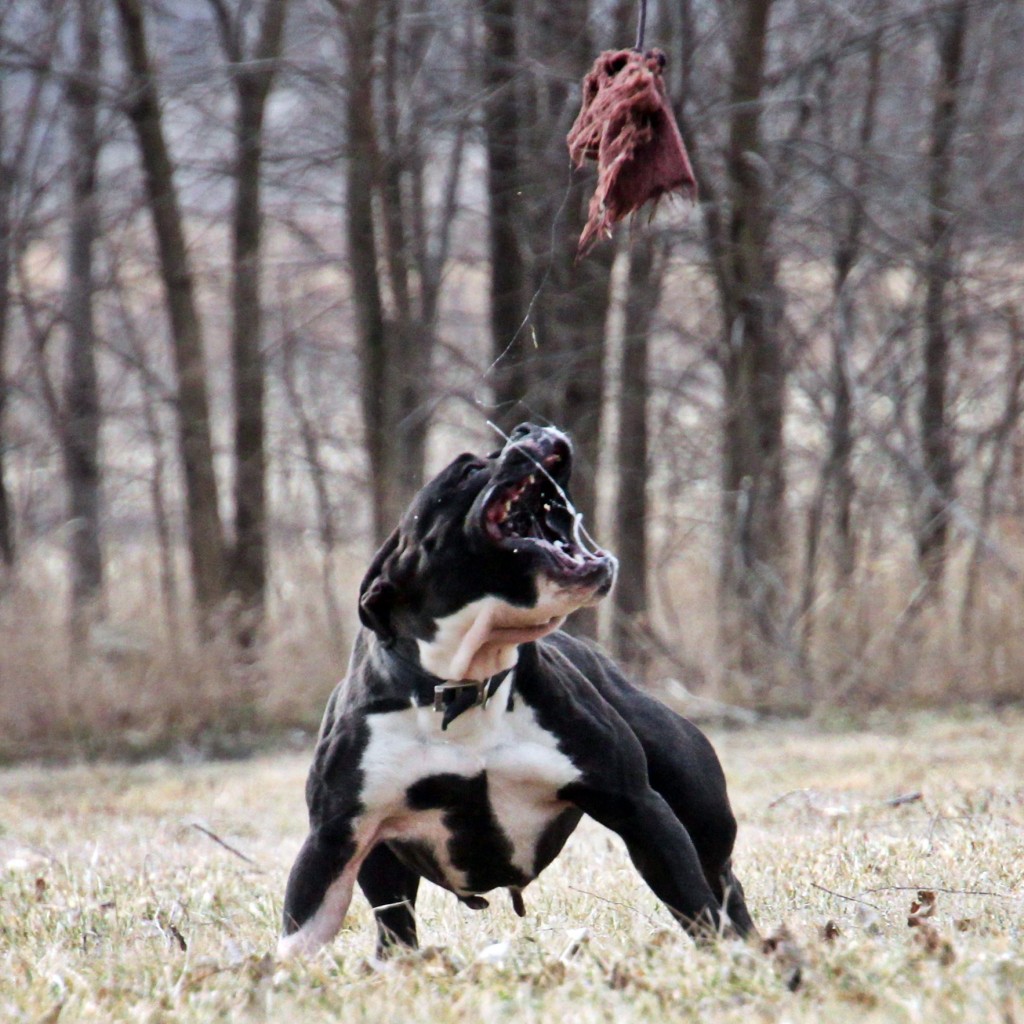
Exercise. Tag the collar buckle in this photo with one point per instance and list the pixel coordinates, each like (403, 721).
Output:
(446, 693)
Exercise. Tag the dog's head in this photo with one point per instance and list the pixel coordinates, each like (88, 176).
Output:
(490, 554)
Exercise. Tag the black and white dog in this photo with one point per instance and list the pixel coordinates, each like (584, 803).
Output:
(470, 735)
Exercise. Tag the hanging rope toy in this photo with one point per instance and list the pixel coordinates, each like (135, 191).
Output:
(626, 124)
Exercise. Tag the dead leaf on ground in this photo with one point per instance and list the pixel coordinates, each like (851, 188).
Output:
(784, 950)
(928, 937)
(922, 908)
(625, 976)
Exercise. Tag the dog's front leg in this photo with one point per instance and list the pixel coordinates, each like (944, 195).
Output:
(660, 848)
(319, 891)
(391, 889)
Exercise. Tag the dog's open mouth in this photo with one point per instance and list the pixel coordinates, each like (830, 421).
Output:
(534, 514)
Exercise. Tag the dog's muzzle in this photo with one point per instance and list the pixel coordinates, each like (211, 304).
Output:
(527, 510)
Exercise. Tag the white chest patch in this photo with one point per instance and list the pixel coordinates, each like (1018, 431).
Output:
(523, 767)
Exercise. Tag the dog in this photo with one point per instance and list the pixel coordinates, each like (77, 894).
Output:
(470, 734)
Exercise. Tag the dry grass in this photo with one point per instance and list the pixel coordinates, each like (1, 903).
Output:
(137, 692)
(871, 645)
(139, 689)
(114, 907)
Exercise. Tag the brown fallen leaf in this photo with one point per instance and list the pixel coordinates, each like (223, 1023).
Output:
(928, 937)
(782, 947)
(922, 908)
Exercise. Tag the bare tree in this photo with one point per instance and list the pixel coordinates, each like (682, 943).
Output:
(938, 272)
(327, 529)
(572, 297)
(252, 75)
(28, 52)
(395, 467)
(397, 253)
(154, 397)
(998, 438)
(753, 365)
(836, 477)
(646, 267)
(6, 244)
(80, 424)
(507, 262)
(18, 197)
(205, 537)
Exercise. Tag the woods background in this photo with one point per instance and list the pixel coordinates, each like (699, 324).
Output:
(265, 263)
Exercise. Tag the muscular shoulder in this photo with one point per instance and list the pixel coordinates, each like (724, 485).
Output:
(589, 660)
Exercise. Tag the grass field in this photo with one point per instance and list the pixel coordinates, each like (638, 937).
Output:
(119, 900)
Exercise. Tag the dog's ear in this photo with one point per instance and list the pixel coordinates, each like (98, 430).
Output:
(377, 592)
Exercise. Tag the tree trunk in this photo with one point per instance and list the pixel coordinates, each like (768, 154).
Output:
(80, 422)
(6, 242)
(373, 334)
(362, 251)
(154, 398)
(630, 503)
(326, 528)
(936, 439)
(253, 77)
(753, 569)
(205, 538)
(1002, 431)
(413, 273)
(836, 473)
(395, 352)
(571, 298)
(509, 338)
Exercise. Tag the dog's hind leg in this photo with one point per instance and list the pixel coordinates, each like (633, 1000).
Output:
(391, 889)
(659, 847)
(703, 810)
(689, 778)
(684, 769)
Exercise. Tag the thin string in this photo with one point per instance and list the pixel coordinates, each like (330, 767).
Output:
(540, 287)
(641, 26)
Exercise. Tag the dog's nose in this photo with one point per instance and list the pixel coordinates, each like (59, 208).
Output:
(541, 445)
(543, 435)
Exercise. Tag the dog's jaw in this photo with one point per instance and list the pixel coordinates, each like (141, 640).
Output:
(483, 638)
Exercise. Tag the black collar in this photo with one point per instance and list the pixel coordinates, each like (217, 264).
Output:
(454, 698)
(449, 697)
